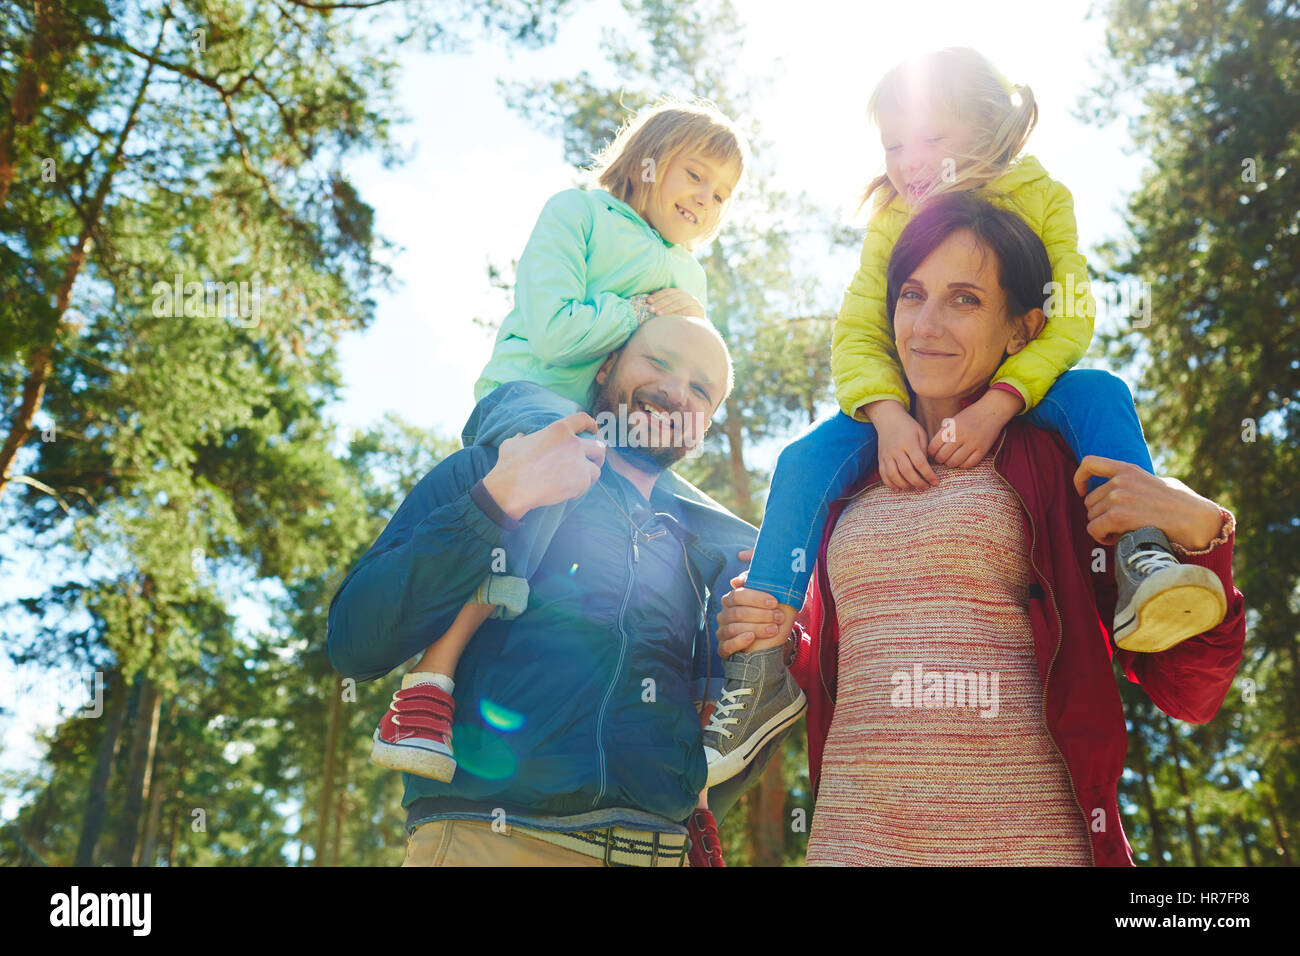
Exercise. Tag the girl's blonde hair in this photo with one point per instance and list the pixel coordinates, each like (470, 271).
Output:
(652, 138)
(964, 84)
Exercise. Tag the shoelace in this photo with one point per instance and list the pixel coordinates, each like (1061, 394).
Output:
(1151, 560)
(729, 701)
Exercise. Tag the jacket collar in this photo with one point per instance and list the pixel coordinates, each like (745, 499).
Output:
(614, 204)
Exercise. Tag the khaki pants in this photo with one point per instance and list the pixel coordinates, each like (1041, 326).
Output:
(475, 843)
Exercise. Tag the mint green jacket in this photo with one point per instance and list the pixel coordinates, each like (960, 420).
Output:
(588, 254)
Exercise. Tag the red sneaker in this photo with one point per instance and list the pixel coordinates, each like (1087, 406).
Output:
(706, 849)
(415, 733)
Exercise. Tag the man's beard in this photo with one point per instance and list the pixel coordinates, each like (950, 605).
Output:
(645, 457)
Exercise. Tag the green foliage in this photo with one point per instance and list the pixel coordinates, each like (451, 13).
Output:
(1215, 230)
(173, 448)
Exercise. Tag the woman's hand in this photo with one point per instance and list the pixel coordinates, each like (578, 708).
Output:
(675, 302)
(1133, 499)
(902, 440)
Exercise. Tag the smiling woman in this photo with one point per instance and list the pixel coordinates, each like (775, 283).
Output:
(964, 293)
(963, 709)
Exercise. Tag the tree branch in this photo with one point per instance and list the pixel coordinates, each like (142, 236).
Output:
(41, 486)
(308, 5)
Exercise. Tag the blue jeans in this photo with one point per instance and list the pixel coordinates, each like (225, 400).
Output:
(1090, 408)
(527, 407)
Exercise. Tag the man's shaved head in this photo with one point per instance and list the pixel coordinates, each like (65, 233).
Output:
(690, 331)
(664, 384)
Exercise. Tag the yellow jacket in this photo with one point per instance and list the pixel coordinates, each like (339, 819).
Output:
(864, 362)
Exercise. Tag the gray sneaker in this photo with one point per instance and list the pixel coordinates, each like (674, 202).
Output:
(759, 700)
(1161, 602)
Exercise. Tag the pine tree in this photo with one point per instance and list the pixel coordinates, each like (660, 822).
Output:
(1214, 228)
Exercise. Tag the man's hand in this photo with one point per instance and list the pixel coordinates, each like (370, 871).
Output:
(1133, 499)
(901, 441)
(964, 440)
(675, 302)
(551, 465)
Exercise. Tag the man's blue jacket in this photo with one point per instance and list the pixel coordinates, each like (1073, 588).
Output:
(586, 700)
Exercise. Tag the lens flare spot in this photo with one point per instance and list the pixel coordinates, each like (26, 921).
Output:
(483, 754)
(573, 570)
(498, 717)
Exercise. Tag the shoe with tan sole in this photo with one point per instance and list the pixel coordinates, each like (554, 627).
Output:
(1161, 601)
(414, 735)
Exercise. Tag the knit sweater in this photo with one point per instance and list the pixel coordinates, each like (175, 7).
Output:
(938, 753)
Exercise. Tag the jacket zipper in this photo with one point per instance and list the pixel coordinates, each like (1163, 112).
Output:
(1060, 637)
(618, 669)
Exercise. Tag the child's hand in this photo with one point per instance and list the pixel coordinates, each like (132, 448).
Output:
(963, 440)
(641, 306)
(902, 440)
(675, 302)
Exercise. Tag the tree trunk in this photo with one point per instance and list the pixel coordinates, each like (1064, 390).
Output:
(1293, 698)
(1189, 818)
(32, 84)
(742, 499)
(766, 817)
(143, 739)
(1279, 831)
(340, 809)
(148, 849)
(173, 832)
(1245, 844)
(97, 799)
(1148, 794)
(327, 776)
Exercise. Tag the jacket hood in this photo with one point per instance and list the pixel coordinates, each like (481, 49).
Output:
(1021, 172)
